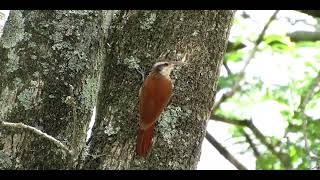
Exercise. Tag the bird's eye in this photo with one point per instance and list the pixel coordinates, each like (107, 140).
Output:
(166, 64)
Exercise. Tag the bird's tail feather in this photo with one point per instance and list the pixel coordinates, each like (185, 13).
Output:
(144, 140)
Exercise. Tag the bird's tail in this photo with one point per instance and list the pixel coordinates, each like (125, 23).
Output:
(144, 140)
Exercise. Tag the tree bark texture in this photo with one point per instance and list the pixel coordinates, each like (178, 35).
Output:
(50, 67)
(138, 39)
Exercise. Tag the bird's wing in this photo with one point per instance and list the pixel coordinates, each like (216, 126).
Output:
(152, 103)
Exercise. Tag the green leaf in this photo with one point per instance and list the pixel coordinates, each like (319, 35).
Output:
(278, 43)
(280, 47)
(225, 82)
(285, 113)
(234, 56)
(267, 161)
(293, 153)
(237, 132)
(275, 39)
(277, 93)
(304, 44)
(311, 65)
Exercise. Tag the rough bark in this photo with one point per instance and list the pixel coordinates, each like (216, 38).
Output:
(137, 40)
(50, 66)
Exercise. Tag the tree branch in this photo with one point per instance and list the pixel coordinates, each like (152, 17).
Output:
(249, 124)
(258, 41)
(234, 47)
(313, 13)
(224, 152)
(36, 132)
(236, 85)
(251, 143)
(304, 36)
(304, 101)
(227, 68)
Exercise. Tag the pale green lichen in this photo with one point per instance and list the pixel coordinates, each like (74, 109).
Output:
(6, 101)
(167, 123)
(89, 93)
(69, 100)
(14, 30)
(33, 57)
(61, 45)
(36, 74)
(45, 67)
(147, 24)
(56, 37)
(5, 160)
(195, 33)
(33, 83)
(111, 130)
(17, 83)
(132, 62)
(77, 12)
(13, 61)
(107, 17)
(168, 120)
(77, 60)
(174, 164)
(27, 36)
(51, 96)
(8, 96)
(26, 98)
(110, 114)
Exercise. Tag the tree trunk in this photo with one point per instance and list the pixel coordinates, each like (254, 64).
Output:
(50, 67)
(137, 40)
(51, 63)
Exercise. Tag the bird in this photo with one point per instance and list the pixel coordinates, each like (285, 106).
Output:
(154, 95)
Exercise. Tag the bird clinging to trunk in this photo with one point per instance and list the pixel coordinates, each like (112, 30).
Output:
(154, 96)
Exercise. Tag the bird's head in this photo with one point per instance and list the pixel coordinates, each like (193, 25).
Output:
(165, 68)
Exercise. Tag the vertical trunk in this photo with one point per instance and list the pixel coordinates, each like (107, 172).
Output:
(137, 40)
(50, 67)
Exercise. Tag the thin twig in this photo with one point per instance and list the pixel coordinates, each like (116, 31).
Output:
(305, 100)
(236, 85)
(251, 143)
(225, 65)
(258, 41)
(249, 124)
(37, 132)
(224, 152)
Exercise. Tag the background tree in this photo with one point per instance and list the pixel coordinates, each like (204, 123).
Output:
(50, 68)
(138, 39)
(294, 97)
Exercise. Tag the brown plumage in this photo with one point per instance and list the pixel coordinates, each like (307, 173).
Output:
(154, 96)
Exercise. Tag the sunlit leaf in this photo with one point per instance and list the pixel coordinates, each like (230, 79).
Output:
(266, 161)
(303, 44)
(234, 56)
(225, 82)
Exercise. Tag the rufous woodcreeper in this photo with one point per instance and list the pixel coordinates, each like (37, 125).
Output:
(154, 96)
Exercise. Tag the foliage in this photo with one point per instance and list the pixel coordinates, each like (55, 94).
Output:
(300, 63)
